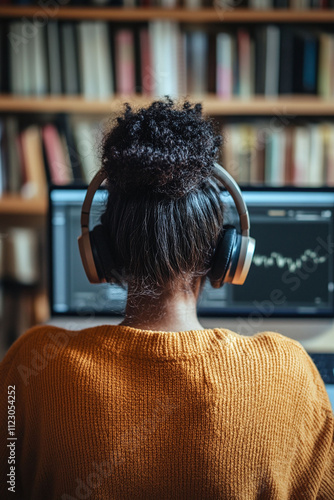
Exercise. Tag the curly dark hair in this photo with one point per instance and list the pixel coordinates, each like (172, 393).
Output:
(161, 149)
(164, 213)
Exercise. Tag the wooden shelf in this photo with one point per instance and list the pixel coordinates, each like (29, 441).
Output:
(215, 14)
(16, 205)
(212, 105)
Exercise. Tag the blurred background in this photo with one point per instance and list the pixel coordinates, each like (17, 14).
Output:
(264, 69)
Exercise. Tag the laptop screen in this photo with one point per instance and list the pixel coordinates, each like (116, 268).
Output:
(291, 274)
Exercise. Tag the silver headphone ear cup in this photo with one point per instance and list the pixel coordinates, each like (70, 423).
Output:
(244, 261)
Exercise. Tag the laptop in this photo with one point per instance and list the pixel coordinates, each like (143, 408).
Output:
(291, 278)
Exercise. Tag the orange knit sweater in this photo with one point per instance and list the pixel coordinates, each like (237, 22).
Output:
(113, 412)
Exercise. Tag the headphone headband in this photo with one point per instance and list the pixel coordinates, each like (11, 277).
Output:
(232, 187)
(92, 188)
(219, 173)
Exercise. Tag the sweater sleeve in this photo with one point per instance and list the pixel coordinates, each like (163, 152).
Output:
(314, 453)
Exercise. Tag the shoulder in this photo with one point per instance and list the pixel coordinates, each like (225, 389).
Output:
(267, 347)
(267, 340)
(35, 337)
(287, 360)
(34, 350)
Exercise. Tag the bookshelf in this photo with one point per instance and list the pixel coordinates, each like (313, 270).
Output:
(15, 205)
(15, 210)
(205, 15)
(212, 105)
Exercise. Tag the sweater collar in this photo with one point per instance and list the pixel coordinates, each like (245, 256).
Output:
(134, 342)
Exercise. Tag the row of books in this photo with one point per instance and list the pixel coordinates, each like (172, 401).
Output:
(20, 256)
(263, 153)
(33, 156)
(96, 59)
(193, 4)
(254, 153)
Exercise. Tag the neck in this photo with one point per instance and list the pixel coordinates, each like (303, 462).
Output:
(170, 311)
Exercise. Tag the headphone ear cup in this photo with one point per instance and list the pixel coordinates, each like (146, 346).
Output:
(102, 254)
(223, 256)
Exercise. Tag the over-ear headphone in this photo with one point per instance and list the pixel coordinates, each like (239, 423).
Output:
(231, 260)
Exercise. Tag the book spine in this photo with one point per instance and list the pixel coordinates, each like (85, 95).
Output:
(272, 61)
(125, 69)
(244, 49)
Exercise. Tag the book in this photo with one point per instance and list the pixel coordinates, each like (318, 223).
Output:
(278, 158)
(301, 156)
(147, 83)
(253, 145)
(281, 4)
(260, 59)
(243, 152)
(155, 29)
(288, 156)
(244, 53)
(87, 137)
(272, 60)
(325, 59)
(229, 161)
(164, 43)
(305, 62)
(197, 62)
(4, 59)
(38, 62)
(316, 167)
(70, 69)
(327, 130)
(104, 75)
(254, 173)
(22, 255)
(168, 4)
(164, 36)
(252, 69)
(16, 59)
(261, 4)
(286, 63)
(260, 155)
(235, 67)
(87, 59)
(65, 131)
(125, 63)
(193, 4)
(224, 65)
(299, 4)
(3, 179)
(310, 69)
(12, 158)
(182, 63)
(60, 170)
(212, 62)
(54, 58)
(269, 153)
(36, 184)
(172, 65)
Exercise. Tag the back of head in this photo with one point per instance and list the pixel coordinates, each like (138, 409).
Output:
(164, 214)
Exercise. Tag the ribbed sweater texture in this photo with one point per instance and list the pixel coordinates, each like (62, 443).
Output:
(114, 412)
